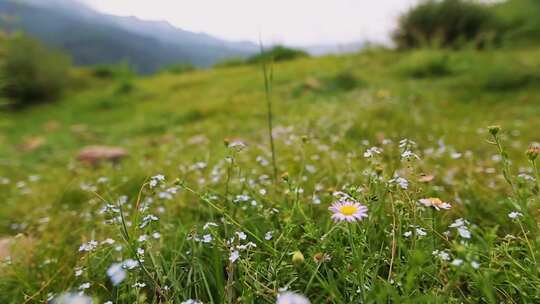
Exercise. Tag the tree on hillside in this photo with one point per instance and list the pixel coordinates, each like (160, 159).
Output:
(29, 72)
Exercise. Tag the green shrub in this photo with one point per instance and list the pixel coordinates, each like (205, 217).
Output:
(119, 70)
(278, 53)
(448, 23)
(505, 78)
(30, 72)
(343, 81)
(125, 86)
(426, 64)
(104, 71)
(521, 20)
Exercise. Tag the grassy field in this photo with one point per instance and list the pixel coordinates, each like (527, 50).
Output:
(221, 228)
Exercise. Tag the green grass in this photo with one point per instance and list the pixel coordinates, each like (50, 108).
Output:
(176, 124)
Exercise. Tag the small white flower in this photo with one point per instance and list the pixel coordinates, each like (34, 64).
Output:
(457, 262)
(372, 152)
(190, 301)
(88, 246)
(165, 195)
(311, 169)
(142, 238)
(78, 272)
(421, 232)
(159, 177)
(526, 176)
(156, 235)
(246, 246)
(72, 298)
(262, 161)
(138, 285)
(400, 181)
(147, 220)
(241, 198)
(475, 264)
(408, 155)
(140, 251)
(407, 234)
(207, 238)
(268, 235)
(108, 241)
(237, 145)
(461, 226)
(455, 155)
(464, 232)
(458, 223)
(291, 298)
(234, 256)
(441, 254)
(241, 235)
(406, 142)
(515, 214)
(116, 273)
(154, 180)
(130, 264)
(209, 224)
(84, 286)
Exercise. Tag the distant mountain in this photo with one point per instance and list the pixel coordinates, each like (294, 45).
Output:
(95, 38)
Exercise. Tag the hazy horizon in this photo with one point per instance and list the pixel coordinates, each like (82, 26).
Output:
(301, 23)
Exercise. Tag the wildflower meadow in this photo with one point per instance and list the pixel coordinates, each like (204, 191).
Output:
(266, 185)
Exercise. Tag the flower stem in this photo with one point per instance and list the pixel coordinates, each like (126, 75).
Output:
(268, 74)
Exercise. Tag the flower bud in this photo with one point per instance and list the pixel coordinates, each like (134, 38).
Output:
(297, 258)
(320, 257)
(494, 130)
(533, 151)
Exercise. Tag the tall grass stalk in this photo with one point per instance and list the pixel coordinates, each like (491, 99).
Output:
(504, 158)
(268, 74)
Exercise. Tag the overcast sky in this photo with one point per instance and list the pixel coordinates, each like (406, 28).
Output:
(293, 22)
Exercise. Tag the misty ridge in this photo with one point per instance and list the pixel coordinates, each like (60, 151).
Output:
(93, 38)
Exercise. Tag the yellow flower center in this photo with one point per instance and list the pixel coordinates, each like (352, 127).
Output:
(436, 201)
(348, 209)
